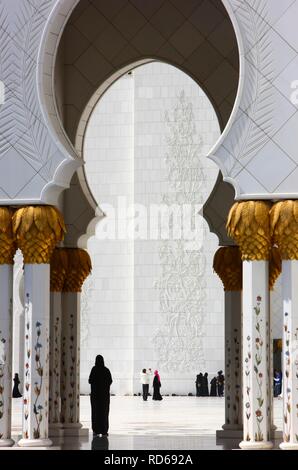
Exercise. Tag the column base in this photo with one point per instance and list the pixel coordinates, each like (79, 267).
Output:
(288, 446)
(35, 443)
(256, 445)
(6, 442)
(75, 430)
(55, 430)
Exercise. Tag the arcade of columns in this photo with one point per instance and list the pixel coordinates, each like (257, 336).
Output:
(53, 278)
(267, 236)
(267, 239)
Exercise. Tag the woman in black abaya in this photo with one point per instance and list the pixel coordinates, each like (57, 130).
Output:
(100, 380)
(213, 390)
(156, 387)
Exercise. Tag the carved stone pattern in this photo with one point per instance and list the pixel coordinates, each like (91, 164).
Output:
(178, 340)
(21, 121)
(250, 135)
(86, 297)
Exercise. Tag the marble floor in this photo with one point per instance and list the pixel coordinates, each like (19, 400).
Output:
(174, 423)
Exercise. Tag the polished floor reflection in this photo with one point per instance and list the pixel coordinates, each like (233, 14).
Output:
(175, 423)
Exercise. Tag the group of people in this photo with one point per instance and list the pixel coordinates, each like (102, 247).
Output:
(145, 379)
(216, 385)
(100, 380)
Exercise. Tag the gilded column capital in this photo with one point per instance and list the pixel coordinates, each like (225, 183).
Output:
(284, 228)
(58, 269)
(228, 266)
(249, 225)
(79, 267)
(7, 240)
(274, 266)
(37, 230)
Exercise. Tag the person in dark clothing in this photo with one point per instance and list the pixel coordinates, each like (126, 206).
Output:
(156, 386)
(100, 443)
(220, 383)
(100, 380)
(277, 383)
(198, 384)
(15, 390)
(205, 391)
(213, 388)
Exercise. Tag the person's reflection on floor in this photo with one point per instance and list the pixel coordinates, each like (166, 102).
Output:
(100, 443)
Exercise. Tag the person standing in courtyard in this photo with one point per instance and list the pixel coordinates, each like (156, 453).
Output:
(156, 386)
(220, 383)
(213, 388)
(145, 380)
(15, 391)
(205, 392)
(100, 380)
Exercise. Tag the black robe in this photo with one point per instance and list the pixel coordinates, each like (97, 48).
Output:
(156, 389)
(100, 379)
(15, 391)
(199, 385)
(213, 389)
(220, 384)
(205, 391)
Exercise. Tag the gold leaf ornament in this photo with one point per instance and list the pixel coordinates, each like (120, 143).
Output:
(7, 240)
(284, 228)
(249, 225)
(59, 264)
(79, 267)
(228, 266)
(37, 230)
(274, 266)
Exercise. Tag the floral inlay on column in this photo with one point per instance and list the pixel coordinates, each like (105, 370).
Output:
(248, 363)
(228, 380)
(2, 375)
(63, 378)
(26, 398)
(72, 372)
(237, 397)
(259, 376)
(37, 406)
(286, 386)
(54, 402)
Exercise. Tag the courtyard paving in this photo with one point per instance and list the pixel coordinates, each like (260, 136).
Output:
(174, 423)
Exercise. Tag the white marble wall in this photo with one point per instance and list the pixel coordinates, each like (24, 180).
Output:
(107, 300)
(122, 318)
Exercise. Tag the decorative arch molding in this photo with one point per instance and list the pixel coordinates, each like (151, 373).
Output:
(53, 36)
(263, 115)
(254, 128)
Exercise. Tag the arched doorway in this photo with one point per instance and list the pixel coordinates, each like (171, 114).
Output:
(89, 74)
(152, 297)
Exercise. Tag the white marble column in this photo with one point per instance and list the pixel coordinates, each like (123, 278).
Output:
(70, 364)
(233, 379)
(6, 283)
(256, 362)
(37, 230)
(55, 362)
(290, 354)
(36, 373)
(227, 264)
(78, 268)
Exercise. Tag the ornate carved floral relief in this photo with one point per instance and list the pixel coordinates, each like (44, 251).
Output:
(178, 340)
(86, 298)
